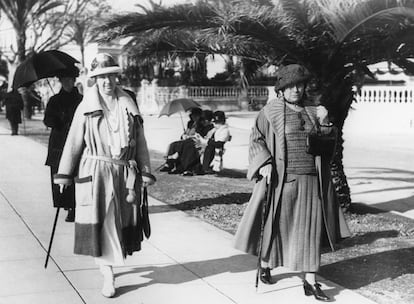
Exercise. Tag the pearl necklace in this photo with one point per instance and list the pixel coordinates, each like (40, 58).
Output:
(112, 116)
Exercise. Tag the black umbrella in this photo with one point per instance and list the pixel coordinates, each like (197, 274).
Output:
(42, 65)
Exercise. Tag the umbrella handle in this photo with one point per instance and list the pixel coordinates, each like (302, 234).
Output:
(182, 122)
(50, 86)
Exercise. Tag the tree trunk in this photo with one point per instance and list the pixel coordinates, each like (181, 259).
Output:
(82, 50)
(340, 112)
(339, 179)
(21, 56)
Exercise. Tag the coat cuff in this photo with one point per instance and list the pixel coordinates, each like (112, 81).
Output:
(62, 179)
(262, 158)
(149, 175)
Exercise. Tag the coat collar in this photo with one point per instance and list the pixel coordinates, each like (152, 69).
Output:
(92, 105)
(275, 114)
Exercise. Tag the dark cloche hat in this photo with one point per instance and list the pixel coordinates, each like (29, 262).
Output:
(219, 116)
(289, 75)
(196, 111)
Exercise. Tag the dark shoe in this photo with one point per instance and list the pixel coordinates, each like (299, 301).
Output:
(188, 173)
(315, 290)
(266, 277)
(165, 168)
(71, 216)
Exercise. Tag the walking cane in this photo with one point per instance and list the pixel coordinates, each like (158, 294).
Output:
(51, 237)
(266, 204)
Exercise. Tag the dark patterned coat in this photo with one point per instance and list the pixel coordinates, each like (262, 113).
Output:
(267, 144)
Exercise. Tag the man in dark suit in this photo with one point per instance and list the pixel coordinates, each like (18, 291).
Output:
(58, 116)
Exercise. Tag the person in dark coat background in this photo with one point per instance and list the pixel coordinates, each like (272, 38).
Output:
(58, 116)
(14, 106)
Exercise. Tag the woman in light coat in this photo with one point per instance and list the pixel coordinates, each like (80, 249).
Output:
(107, 157)
(302, 207)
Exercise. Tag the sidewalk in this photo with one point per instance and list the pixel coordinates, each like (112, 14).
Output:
(185, 260)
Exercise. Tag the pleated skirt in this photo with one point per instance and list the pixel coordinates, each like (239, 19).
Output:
(296, 242)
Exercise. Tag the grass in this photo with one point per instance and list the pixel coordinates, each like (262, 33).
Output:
(377, 261)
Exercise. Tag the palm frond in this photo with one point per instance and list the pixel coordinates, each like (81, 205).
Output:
(166, 41)
(183, 15)
(405, 64)
(346, 17)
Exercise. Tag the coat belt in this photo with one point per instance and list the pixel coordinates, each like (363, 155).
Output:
(132, 172)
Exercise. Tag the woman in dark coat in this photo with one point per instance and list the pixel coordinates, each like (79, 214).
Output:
(14, 106)
(302, 206)
(58, 116)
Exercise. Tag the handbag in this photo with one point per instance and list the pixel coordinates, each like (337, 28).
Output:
(146, 226)
(320, 143)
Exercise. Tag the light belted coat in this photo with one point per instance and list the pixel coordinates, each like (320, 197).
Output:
(267, 145)
(99, 183)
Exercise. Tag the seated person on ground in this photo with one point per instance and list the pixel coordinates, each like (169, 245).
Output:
(176, 147)
(213, 153)
(184, 156)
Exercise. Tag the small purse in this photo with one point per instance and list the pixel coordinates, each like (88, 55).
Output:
(320, 143)
(146, 226)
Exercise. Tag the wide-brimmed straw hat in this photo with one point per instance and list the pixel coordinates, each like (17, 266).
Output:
(102, 64)
(289, 75)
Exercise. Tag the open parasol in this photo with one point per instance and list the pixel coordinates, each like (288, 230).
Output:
(177, 106)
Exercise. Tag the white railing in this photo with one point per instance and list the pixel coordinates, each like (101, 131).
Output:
(151, 97)
(386, 94)
(225, 92)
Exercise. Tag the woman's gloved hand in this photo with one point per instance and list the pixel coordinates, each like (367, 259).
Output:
(62, 188)
(148, 179)
(266, 172)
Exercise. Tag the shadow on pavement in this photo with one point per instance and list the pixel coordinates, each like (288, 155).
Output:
(190, 271)
(386, 175)
(400, 205)
(231, 198)
(232, 173)
(364, 270)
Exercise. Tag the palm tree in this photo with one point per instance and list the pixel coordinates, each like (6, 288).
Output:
(34, 18)
(23, 13)
(335, 39)
(80, 27)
